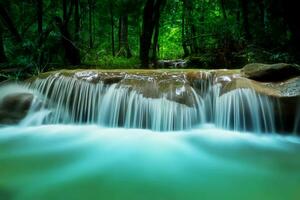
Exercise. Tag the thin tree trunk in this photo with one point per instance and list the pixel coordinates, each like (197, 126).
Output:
(91, 43)
(64, 10)
(94, 21)
(40, 59)
(3, 57)
(245, 15)
(155, 42)
(223, 9)
(194, 45)
(183, 33)
(112, 29)
(8, 22)
(189, 41)
(290, 15)
(40, 16)
(261, 7)
(77, 21)
(124, 49)
(238, 17)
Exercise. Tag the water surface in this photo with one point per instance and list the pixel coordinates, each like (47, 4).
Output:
(90, 162)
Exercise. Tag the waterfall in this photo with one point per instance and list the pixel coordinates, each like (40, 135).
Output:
(73, 101)
(244, 110)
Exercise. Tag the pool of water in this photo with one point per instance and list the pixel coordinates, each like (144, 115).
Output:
(68, 162)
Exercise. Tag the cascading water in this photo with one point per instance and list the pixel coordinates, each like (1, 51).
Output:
(77, 101)
(73, 101)
(243, 110)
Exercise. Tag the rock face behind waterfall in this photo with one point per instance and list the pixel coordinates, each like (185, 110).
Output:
(255, 98)
(174, 85)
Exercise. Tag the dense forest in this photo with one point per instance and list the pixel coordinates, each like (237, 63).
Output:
(40, 35)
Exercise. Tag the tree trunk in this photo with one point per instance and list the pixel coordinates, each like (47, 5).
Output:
(147, 32)
(112, 29)
(77, 21)
(245, 15)
(155, 43)
(223, 9)
(2, 52)
(183, 31)
(8, 22)
(150, 18)
(194, 43)
(190, 29)
(64, 10)
(124, 49)
(262, 29)
(72, 53)
(261, 7)
(40, 16)
(290, 15)
(91, 42)
(39, 7)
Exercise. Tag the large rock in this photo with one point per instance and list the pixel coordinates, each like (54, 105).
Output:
(289, 88)
(14, 107)
(271, 73)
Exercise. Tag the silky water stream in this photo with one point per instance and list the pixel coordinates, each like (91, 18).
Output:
(92, 141)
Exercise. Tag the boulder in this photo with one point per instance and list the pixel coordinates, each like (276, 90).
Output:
(270, 72)
(14, 107)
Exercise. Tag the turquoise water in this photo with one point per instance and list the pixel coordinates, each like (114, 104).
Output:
(66, 162)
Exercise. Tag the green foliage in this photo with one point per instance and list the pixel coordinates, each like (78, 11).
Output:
(213, 33)
(109, 62)
(100, 59)
(170, 43)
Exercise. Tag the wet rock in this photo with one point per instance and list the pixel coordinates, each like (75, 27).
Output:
(89, 76)
(289, 88)
(112, 80)
(145, 85)
(14, 107)
(271, 73)
(174, 87)
(177, 90)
